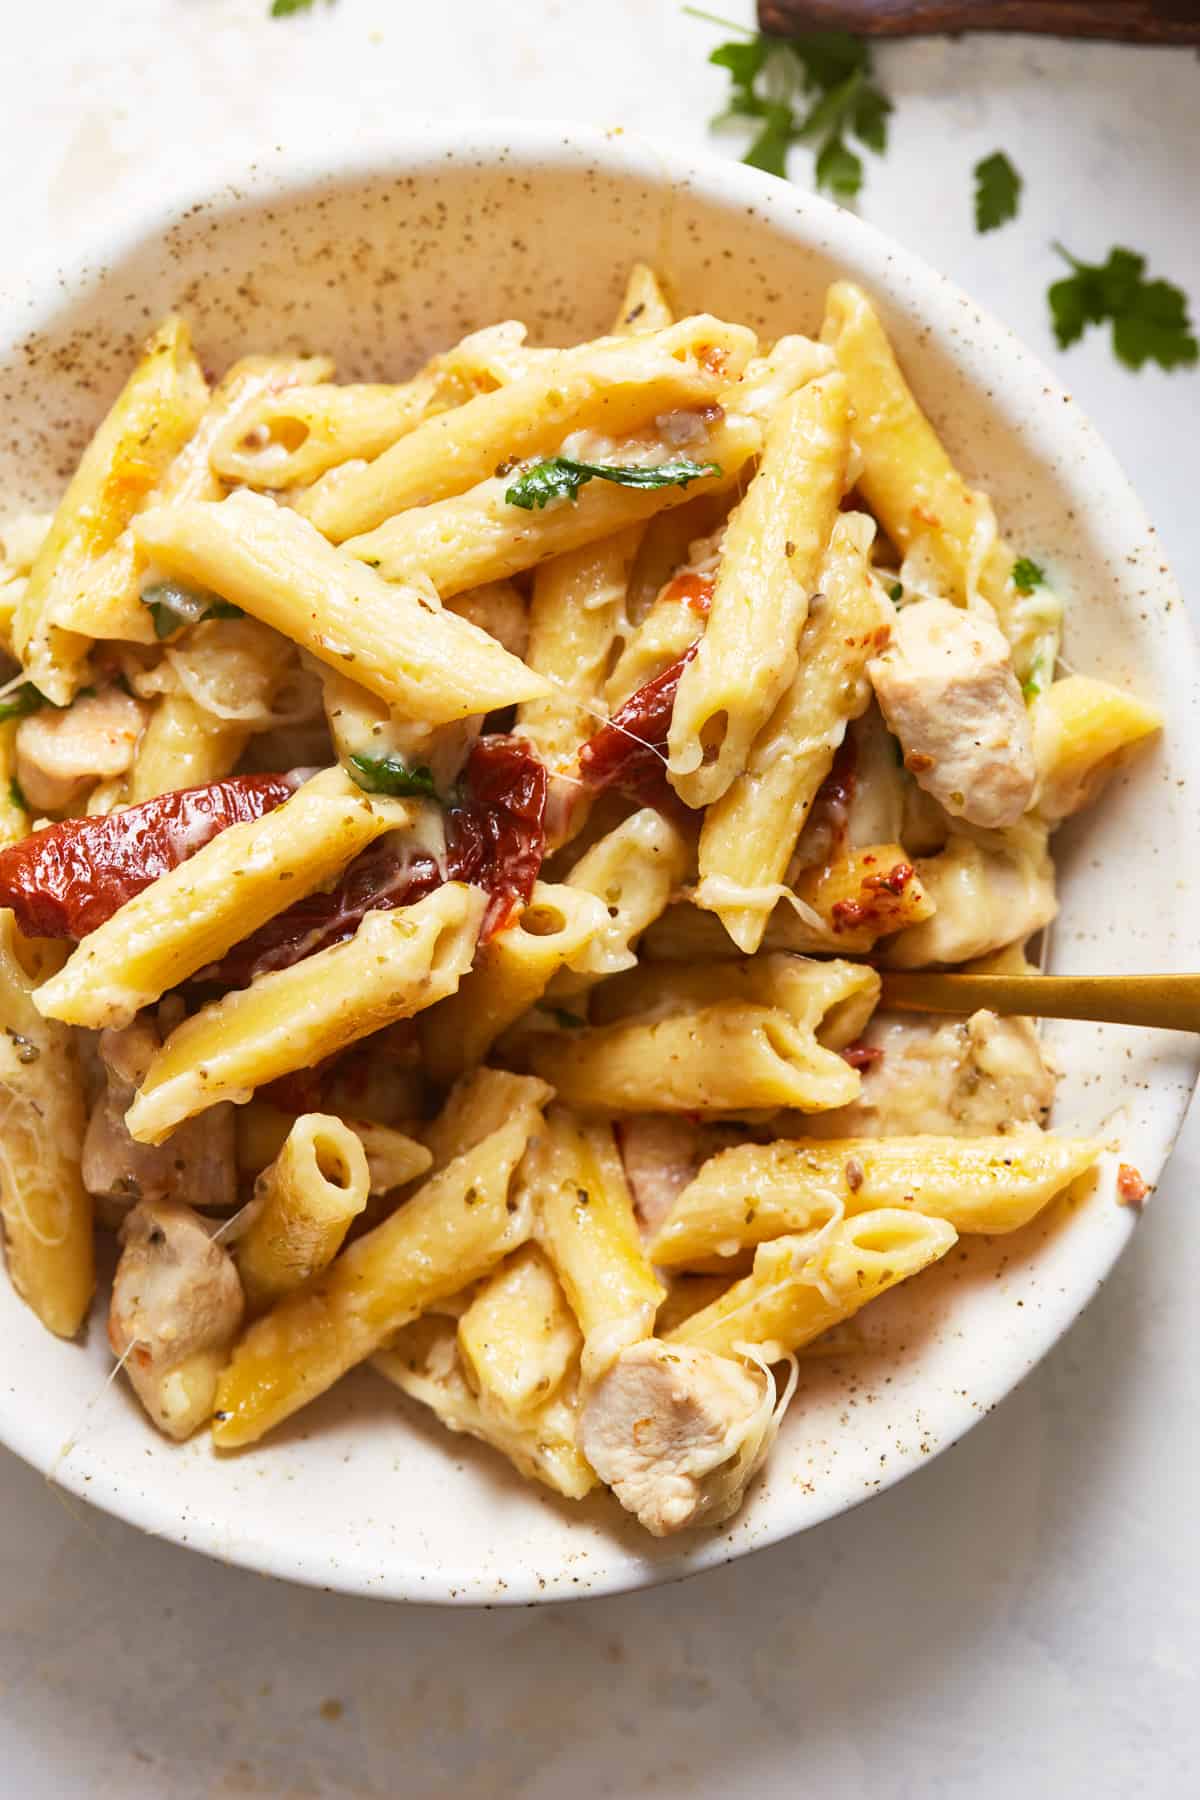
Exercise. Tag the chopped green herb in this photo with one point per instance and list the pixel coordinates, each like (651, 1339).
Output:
(1149, 319)
(896, 592)
(559, 478)
(172, 606)
(997, 192)
(283, 9)
(1027, 575)
(815, 89)
(391, 775)
(16, 795)
(1033, 683)
(21, 702)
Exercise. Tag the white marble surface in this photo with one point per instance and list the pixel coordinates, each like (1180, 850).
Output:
(1022, 1615)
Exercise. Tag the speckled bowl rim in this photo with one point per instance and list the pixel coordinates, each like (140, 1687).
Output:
(46, 278)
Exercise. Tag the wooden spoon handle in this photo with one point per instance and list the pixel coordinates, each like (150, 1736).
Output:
(1171, 1002)
(1125, 21)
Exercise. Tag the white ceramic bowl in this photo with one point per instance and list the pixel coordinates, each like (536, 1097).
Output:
(383, 252)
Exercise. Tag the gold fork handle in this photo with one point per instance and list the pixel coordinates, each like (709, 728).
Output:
(1171, 1002)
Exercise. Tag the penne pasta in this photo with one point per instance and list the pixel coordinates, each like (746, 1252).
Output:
(457, 1227)
(107, 601)
(304, 1204)
(754, 1192)
(632, 872)
(155, 413)
(613, 385)
(425, 1363)
(396, 643)
(478, 536)
(768, 572)
(395, 964)
(512, 972)
(585, 1224)
(644, 306)
(518, 1339)
(45, 1212)
(800, 1287)
(750, 833)
(1082, 730)
(193, 914)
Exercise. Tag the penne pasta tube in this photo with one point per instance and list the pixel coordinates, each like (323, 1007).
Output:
(632, 872)
(429, 663)
(45, 1212)
(750, 832)
(152, 417)
(586, 1226)
(769, 567)
(479, 536)
(800, 1286)
(288, 439)
(456, 1228)
(834, 1000)
(754, 1192)
(395, 964)
(304, 1204)
(518, 1339)
(425, 1363)
(183, 746)
(574, 619)
(197, 911)
(984, 897)
(1082, 730)
(511, 973)
(845, 907)
(107, 602)
(476, 1105)
(917, 494)
(613, 385)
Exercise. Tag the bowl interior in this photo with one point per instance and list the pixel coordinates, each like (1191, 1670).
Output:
(402, 252)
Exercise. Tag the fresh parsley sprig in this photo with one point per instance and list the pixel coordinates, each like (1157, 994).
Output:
(172, 606)
(815, 89)
(560, 478)
(997, 192)
(1150, 321)
(390, 774)
(1027, 575)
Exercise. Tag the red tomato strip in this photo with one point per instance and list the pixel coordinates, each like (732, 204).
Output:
(494, 839)
(630, 752)
(66, 880)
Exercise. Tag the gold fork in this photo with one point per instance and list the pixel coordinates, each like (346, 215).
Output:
(1171, 1002)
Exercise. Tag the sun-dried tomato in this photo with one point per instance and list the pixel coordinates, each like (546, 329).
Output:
(693, 591)
(69, 878)
(494, 839)
(630, 752)
(496, 835)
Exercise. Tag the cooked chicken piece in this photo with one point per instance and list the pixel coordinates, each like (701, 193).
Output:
(661, 1155)
(954, 1078)
(63, 752)
(947, 689)
(678, 1433)
(176, 1307)
(197, 1164)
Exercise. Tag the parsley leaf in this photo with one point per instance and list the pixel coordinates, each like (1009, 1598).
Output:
(16, 794)
(1149, 319)
(1033, 684)
(391, 775)
(21, 702)
(1027, 575)
(559, 478)
(283, 9)
(814, 88)
(997, 192)
(172, 606)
